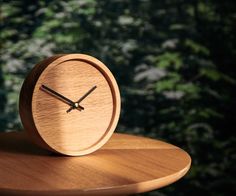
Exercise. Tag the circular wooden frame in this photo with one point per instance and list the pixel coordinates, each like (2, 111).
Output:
(27, 109)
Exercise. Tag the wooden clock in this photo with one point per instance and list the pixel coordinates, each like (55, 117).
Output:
(70, 104)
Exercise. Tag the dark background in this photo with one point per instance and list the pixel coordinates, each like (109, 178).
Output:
(174, 61)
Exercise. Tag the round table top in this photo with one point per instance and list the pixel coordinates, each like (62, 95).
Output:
(126, 164)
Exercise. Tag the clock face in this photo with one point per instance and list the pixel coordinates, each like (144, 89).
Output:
(75, 104)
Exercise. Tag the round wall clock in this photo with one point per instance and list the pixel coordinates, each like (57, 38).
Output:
(70, 104)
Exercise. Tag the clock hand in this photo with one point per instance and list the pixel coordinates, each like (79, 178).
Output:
(61, 97)
(82, 98)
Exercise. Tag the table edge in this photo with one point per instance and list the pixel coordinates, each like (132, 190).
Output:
(140, 187)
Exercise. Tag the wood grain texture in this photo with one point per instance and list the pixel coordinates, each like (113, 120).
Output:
(124, 165)
(44, 116)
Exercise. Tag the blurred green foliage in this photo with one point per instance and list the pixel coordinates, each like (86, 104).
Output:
(174, 61)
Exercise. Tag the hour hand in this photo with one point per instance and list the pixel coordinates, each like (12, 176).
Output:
(82, 98)
(61, 97)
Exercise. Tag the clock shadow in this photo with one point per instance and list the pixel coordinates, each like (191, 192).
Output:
(20, 143)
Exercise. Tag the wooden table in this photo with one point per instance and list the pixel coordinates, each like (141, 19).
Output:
(125, 165)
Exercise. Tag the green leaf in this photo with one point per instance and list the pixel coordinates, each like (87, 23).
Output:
(210, 73)
(177, 26)
(169, 59)
(189, 88)
(167, 84)
(196, 47)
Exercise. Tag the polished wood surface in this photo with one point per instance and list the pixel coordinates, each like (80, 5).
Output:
(44, 115)
(124, 165)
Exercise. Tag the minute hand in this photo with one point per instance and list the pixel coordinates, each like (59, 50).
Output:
(61, 97)
(82, 98)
